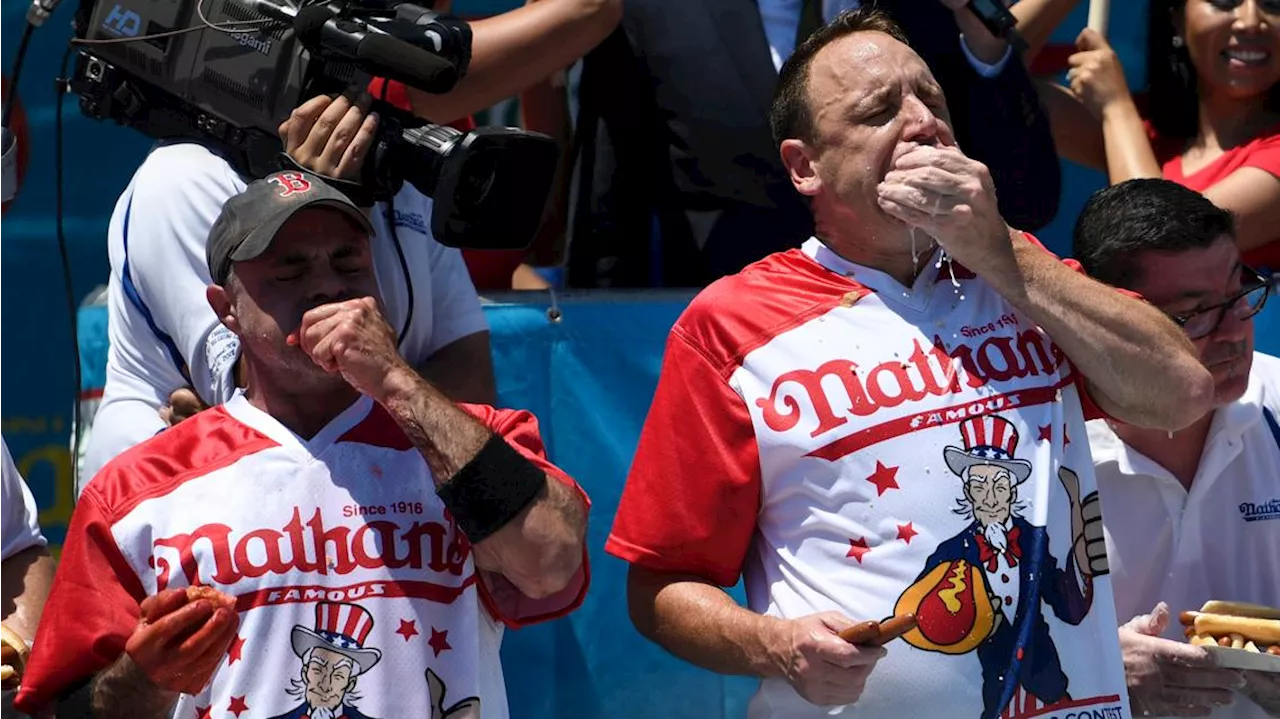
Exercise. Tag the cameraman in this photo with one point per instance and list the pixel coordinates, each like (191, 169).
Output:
(163, 336)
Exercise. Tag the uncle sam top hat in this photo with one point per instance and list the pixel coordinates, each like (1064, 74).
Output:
(340, 628)
(989, 439)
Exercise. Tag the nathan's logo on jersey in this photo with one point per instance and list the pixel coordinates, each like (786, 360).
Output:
(412, 220)
(803, 393)
(1269, 509)
(310, 547)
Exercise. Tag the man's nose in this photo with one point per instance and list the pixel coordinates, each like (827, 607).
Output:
(1235, 324)
(328, 286)
(921, 125)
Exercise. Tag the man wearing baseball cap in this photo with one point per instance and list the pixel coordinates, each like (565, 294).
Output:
(337, 476)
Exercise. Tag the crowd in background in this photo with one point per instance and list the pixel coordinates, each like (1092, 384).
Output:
(677, 180)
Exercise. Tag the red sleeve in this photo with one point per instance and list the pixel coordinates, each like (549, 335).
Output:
(397, 95)
(91, 611)
(691, 500)
(1266, 153)
(503, 600)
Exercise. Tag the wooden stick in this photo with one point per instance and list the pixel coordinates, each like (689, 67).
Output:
(1099, 15)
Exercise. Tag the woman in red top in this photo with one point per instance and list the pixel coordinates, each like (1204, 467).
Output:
(1213, 110)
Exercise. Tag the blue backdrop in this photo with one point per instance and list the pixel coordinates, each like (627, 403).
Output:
(587, 371)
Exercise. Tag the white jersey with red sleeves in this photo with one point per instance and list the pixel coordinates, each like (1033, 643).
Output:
(357, 594)
(846, 443)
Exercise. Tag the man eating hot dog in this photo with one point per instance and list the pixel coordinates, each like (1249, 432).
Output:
(889, 420)
(1193, 515)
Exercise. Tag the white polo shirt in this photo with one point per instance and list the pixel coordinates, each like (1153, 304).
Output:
(161, 325)
(21, 529)
(1220, 540)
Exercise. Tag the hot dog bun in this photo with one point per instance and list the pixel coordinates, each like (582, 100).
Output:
(14, 650)
(1240, 609)
(1266, 631)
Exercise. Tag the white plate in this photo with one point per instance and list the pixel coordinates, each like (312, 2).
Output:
(1240, 659)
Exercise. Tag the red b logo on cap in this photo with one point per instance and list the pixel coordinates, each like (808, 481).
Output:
(291, 182)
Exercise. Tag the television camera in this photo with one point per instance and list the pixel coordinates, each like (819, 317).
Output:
(227, 73)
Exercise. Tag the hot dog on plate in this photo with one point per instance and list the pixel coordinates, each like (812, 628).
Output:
(1237, 625)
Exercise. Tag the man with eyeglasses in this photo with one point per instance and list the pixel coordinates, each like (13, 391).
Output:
(1191, 515)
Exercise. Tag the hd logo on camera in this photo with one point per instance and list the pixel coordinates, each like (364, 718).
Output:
(122, 22)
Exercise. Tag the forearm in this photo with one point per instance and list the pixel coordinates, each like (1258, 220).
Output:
(698, 622)
(1129, 153)
(1037, 19)
(516, 49)
(984, 46)
(539, 549)
(123, 691)
(1141, 368)
(546, 110)
(27, 577)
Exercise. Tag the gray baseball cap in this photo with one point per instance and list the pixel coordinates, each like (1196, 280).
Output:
(251, 219)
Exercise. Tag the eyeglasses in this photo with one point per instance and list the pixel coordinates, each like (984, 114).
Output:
(1202, 323)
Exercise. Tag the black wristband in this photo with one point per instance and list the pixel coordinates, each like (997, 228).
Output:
(491, 489)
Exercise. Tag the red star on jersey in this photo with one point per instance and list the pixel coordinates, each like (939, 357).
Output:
(857, 548)
(884, 478)
(439, 641)
(408, 629)
(906, 532)
(376, 471)
(203, 712)
(233, 654)
(1046, 433)
(237, 706)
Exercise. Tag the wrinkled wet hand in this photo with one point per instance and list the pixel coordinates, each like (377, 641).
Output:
(1263, 688)
(179, 644)
(183, 404)
(351, 338)
(823, 668)
(950, 197)
(330, 135)
(1169, 678)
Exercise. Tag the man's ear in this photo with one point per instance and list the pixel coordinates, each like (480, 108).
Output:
(801, 164)
(220, 301)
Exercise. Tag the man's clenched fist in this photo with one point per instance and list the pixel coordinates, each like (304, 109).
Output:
(180, 641)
